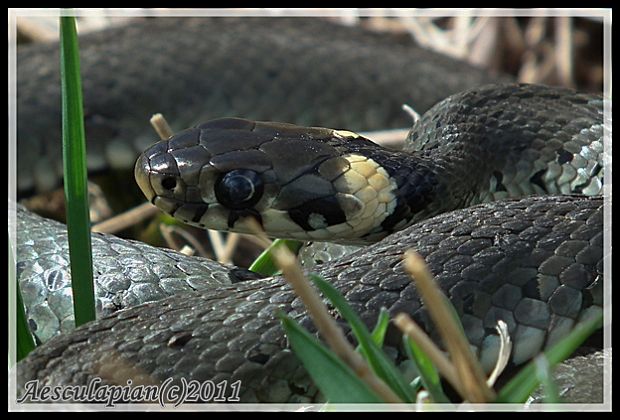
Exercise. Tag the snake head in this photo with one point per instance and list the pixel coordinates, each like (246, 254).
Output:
(304, 183)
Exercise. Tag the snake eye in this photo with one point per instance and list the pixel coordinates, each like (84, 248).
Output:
(239, 189)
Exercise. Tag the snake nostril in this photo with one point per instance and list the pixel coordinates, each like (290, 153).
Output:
(169, 183)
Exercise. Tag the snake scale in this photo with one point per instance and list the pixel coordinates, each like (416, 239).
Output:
(535, 262)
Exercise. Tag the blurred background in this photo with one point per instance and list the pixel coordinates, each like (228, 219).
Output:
(558, 50)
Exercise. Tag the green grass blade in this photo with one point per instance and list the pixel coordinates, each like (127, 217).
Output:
(336, 380)
(525, 382)
(544, 375)
(25, 341)
(429, 377)
(378, 333)
(264, 263)
(379, 362)
(74, 163)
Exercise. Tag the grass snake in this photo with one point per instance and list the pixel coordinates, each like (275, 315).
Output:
(534, 262)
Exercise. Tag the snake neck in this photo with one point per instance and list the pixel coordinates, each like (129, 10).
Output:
(424, 184)
(414, 186)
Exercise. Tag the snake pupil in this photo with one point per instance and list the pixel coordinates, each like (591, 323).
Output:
(239, 189)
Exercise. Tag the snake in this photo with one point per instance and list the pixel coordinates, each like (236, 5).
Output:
(455, 194)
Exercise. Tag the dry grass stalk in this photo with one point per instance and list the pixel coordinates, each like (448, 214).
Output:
(415, 332)
(415, 117)
(229, 248)
(127, 219)
(167, 231)
(389, 138)
(161, 126)
(217, 242)
(326, 325)
(469, 371)
(505, 349)
(565, 51)
(187, 250)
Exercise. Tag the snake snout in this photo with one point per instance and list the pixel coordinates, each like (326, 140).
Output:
(158, 176)
(141, 174)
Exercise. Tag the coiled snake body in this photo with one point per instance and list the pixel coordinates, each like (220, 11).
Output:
(536, 262)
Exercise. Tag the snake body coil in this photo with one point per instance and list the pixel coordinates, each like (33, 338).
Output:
(536, 262)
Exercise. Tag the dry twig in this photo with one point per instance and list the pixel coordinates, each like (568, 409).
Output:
(126, 219)
(161, 126)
